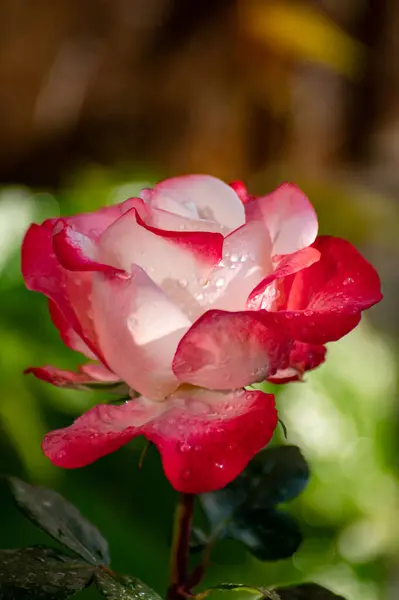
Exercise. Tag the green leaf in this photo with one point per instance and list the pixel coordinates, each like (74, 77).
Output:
(114, 587)
(240, 587)
(244, 510)
(275, 475)
(307, 591)
(61, 520)
(268, 534)
(41, 574)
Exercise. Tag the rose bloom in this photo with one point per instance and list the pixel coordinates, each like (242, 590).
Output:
(182, 298)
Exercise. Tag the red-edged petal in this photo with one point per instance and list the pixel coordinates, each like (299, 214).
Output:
(241, 191)
(227, 350)
(70, 292)
(175, 260)
(68, 335)
(303, 357)
(324, 302)
(264, 295)
(88, 374)
(205, 438)
(75, 251)
(139, 328)
(288, 216)
(93, 224)
(201, 196)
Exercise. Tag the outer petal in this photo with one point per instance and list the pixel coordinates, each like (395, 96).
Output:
(324, 302)
(76, 251)
(201, 196)
(288, 216)
(88, 374)
(139, 328)
(205, 438)
(68, 335)
(265, 294)
(175, 260)
(303, 357)
(227, 350)
(70, 292)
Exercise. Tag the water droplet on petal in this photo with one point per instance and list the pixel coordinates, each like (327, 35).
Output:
(347, 281)
(219, 282)
(183, 283)
(308, 313)
(234, 258)
(184, 447)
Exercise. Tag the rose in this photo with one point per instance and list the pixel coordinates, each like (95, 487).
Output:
(183, 297)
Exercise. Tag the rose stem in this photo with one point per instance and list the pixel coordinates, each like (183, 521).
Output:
(180, 545)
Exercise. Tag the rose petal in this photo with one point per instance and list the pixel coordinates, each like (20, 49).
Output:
(139, 328)
(324, 302)
(70, 292)
(75, 251)
(205, 438)
(303, 357)
(227, 350)
(264, 295)
(201, 196)
(288, 216)
(246, 261)
(68, 335)
(88, 374)
(175, 261)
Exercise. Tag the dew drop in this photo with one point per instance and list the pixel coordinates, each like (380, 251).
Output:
(235, 258)
(183, 283)
(347, 281)
(184, 447)
(308, 313)
(219, 282)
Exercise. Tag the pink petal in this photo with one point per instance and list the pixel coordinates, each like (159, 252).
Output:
(88, 374)
(205, 438)
(241, 191)
(75, 251)
(324, 302)
(303, 357)
(70, 292)
(227, 350)
(246, 261)
(264, 295)
(175, 260)
(93, 224)
(201, 196)
(68, 335)
(139, 328)
(288, 216)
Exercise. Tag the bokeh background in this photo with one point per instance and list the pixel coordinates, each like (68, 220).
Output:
(100, 98)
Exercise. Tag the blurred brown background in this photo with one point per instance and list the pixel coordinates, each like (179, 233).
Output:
(101, 97)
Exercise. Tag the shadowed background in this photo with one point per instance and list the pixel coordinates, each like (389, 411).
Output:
(101, 98)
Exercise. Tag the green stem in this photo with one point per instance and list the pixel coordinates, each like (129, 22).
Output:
(180, 547)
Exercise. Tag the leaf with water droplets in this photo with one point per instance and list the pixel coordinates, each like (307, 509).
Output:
(40, 573)
(307, 591)
(61, 520)
(244, 509)
(122, 587)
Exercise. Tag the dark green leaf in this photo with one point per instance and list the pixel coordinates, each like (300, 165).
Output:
(61, 520)
(268, 534)
(41, 574)
(241, 587)
(244, 509)
(114, 587)
(307, 591)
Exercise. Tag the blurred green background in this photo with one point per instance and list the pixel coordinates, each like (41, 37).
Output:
(102, 98)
